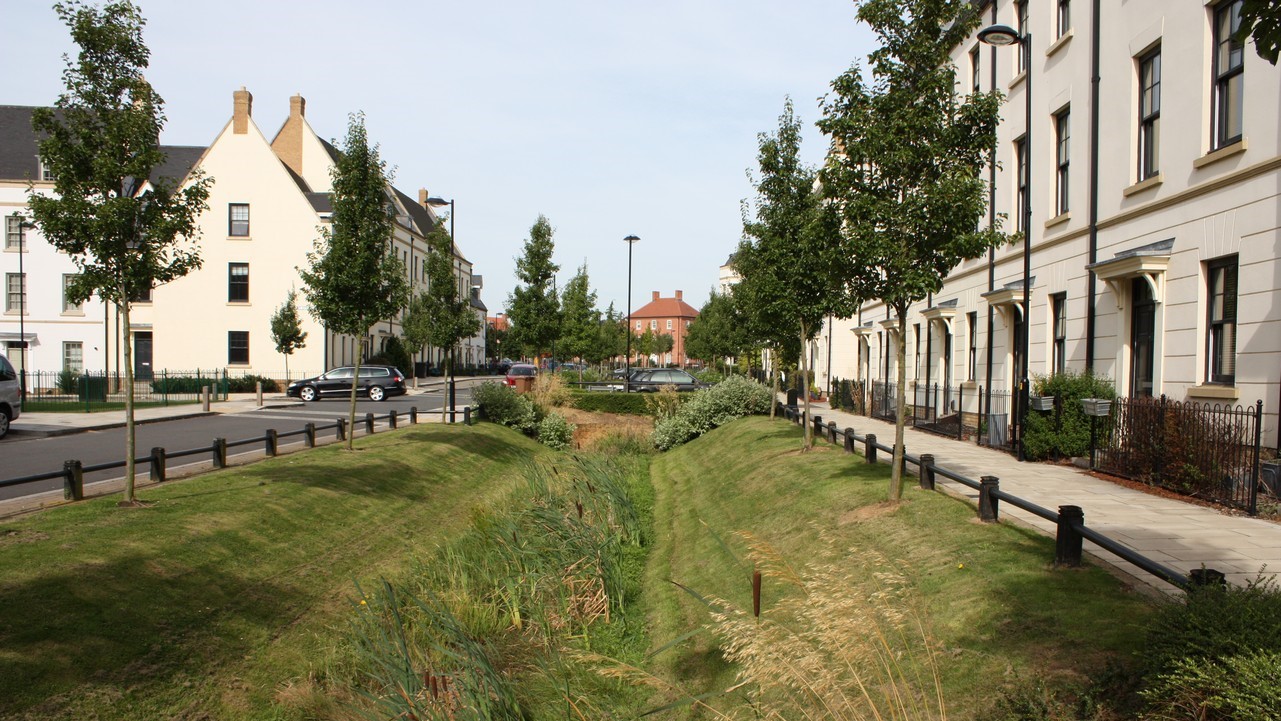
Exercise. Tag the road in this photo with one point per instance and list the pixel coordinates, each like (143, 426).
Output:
(30, 456)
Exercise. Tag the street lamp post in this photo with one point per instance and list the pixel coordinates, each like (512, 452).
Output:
(1002, 35)
(21, 225)
(449, 379)
(627, 362)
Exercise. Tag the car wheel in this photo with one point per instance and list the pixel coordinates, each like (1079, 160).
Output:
(307, 393)
(376, 393)
(4, 424)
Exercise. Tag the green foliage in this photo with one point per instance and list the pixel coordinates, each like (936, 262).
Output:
(504, 406)
(621, 403)
(179, 385)
(1261, 20)
(718, 332)
(708, 375)
(554, 431)
(440, 315)
(1235, 688)
(533, 307)
(68, 381)
(249, 384)
(732, 398)
(1068, 428)
(286, 328)
(1213, 623)
(612, 334)
(395, 354)
(580, 321)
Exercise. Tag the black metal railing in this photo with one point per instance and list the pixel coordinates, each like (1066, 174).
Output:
(1197, 449)
(1069, 520)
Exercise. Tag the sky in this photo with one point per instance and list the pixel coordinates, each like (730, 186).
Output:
(610, 118)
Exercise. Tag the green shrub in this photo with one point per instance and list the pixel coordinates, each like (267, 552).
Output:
(249, 384)
(1214, 623)
(394, 353)
(846, 393)
(732, 398)
(504, 406)
(554, 431)
(632, 404)
(673, 431)
(710, 376)
(68, 381)
(1240, 688)
(183, 384)
(1071, 436)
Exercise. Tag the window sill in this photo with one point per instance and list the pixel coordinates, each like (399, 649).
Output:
(14, 249)
(17, 313)
(1058, 45)
(1059, 219)
(73, 314)
(1226, 151)
(239, 303)
(1017, 80)
(1143, 185)
(970, 385)
(239, 237)
(1220, 392)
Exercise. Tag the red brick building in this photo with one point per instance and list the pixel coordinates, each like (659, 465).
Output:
(668, 316)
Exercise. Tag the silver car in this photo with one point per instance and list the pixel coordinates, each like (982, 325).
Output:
(10, 395)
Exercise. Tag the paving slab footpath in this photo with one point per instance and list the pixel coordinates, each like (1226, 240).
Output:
(1182, 535)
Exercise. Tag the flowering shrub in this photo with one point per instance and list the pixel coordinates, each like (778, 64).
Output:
(555, 431)
(504, 406)
(732, 398)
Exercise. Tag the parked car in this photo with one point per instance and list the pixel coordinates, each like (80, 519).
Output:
(650, 380)
(10, 395)
(520, 370)
(377, 382)
(570, 368)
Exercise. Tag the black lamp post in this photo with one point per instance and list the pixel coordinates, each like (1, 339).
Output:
(449, 379)
(627, 362)
(22, 226)
(1002, 35)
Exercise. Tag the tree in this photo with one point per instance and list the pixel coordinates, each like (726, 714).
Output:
(495, 339)
(286, 329)
(663, 343)
(718, 332)
(791, 259)
(580, 320)
(908, 179)
(1261, 20)
(612, 334)
(440, 315)
(643, 344)
(354, 278)
(101, 141)
(533, 308)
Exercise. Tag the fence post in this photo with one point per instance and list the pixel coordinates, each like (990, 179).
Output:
(902, 467)
(369, 423)
(1258, 441)
(413, 415)
(342, 429)
(1160, 454)
(391, 419)
(309, 435)
(272, 440)
(73, 486)
(960, 412)
(819, 430)
(1207, 577)
(869, 447)
(204, 398)
(467, 415)
(926, 477)
(831, 432)
(158, 470)
(258, 391)
(1067, 542)
(849, 440)
(219, 450)
(988, 502)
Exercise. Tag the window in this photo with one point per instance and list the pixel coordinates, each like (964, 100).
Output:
(13, 232)
(1229, 56)
(15, 292)
(916, 333)
(67, 305)
(141, 296)
(1222, 338)
(238, 220)
(1020, 13)
(972, 320)
(46, 174)
(1058, 353)
(1065, 18)
(638, 325)
(1150, 114)
(1020, 161)
(653, 325)
(669, 324)
(73, 356)
(237, 282)
(975, 70)
(238, 347)
(1063, 138)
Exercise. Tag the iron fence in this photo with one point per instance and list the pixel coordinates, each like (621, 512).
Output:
(1197, 449)
(88, 391)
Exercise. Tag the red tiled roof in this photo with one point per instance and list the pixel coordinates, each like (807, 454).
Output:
(665, 308)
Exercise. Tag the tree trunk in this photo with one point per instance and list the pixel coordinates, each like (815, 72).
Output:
(355, 378)
(896, 469)
(808, 443)
(130, 438)
(773, 404)
(286, 370)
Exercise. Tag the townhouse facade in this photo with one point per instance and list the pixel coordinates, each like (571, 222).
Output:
(665, 316)
(267, 203)
(1155, 198)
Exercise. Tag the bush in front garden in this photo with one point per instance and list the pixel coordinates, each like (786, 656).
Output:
(554, 431)
(1072, 437)
(249, 384)
(622, 403)
(732, 398)
(504, 406)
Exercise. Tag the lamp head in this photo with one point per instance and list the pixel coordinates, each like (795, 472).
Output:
(630, 239)
(1000, 35)
(439, 202)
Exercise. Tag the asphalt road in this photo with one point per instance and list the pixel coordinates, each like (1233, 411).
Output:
(31, 456)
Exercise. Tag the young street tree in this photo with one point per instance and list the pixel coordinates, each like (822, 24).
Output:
(907, 177)
(791, 259)
(101, 141)
(286, 329)
(354, 279)
(440, 315)
(533, 308)
(580, 320)
(612, 334)
(718, 332)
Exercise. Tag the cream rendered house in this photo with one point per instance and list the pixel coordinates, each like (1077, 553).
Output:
(1155, 241)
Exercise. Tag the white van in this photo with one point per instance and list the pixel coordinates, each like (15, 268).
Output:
(10, 395)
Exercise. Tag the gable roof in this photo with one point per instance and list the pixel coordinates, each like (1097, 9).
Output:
(666, 308)
(179, 160)
(18, 159)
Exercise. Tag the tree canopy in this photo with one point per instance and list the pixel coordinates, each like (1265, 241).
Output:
(286, 328)
(718, 332)
(580, 320)
(533, 307)
(440, 315)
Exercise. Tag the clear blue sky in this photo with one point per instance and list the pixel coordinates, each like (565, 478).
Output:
(611, 118)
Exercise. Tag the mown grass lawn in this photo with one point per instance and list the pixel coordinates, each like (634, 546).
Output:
(228, 597)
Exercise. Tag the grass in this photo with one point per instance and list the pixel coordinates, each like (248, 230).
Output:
(229, 597)
(996, 611)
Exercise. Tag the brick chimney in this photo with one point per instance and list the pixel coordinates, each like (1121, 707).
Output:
(288, 143)
(423, 195)
(243, 105)
(678, 295)
(655, 295)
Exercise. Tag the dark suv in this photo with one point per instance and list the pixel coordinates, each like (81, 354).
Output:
(650, 380)
(377, 382)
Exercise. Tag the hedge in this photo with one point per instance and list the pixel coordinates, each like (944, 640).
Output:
(632, 404)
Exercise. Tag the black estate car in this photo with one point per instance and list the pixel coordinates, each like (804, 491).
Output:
(651, 379)
(377, 382)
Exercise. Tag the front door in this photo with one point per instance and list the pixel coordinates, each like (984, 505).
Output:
(1142, 338)
(142, 369)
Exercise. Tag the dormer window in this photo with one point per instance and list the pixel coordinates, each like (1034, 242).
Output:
(45, 174)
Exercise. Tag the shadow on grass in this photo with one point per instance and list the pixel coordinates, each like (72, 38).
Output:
(132, 622)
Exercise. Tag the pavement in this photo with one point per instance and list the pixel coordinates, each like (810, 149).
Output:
(1182, 535)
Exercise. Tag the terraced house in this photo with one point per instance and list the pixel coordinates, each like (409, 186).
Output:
(268, 199)
(1154, 253)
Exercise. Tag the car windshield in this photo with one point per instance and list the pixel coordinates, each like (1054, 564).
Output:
(526, 371)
